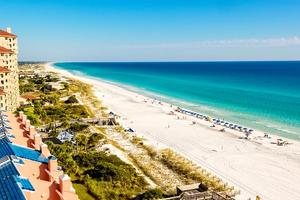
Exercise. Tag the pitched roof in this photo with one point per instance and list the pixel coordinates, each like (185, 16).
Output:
(30, 96)
(11, 186)
(8, 149)
(4, 70)
(2, 92)
(7, 34)
(5, 50)
(28, 153)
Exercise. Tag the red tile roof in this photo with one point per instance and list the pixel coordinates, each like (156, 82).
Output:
(5, 50)
(2, 92)
(30, 96)
(4, 70)
(6, 34)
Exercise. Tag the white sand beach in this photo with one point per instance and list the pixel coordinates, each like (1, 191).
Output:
(254, 166)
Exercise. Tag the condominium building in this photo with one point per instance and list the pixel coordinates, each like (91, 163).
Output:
(9, 81)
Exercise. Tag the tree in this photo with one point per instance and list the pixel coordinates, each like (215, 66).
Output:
(81, 141)
(93, 140)
(29, 87)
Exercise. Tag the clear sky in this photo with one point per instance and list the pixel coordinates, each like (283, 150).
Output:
(154, 30)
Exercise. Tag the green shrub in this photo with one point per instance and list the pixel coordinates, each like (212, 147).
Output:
(72, 99)
(152, 194)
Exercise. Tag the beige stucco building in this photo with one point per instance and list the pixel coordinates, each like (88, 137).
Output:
(9, 81)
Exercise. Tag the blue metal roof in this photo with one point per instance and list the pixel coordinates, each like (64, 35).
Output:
(9, 188)
(24, 183)
(27, 153)
(7, 168)
(7, 149)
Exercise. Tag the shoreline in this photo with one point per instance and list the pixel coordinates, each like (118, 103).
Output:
(247, 116)
(225, 154)
(160, 98)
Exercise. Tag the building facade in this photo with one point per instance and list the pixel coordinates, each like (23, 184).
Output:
(9, 80)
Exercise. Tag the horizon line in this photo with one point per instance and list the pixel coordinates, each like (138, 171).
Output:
(158, 61)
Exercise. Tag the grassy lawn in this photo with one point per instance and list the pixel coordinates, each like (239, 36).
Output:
(82, 192)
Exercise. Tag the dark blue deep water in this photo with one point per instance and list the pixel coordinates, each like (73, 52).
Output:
(261, 95)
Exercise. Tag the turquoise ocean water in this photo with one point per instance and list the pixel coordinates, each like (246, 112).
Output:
(260, 95)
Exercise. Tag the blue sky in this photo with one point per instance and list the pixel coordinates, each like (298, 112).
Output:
(154, 30)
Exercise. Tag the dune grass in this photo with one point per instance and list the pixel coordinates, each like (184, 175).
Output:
(82, 192)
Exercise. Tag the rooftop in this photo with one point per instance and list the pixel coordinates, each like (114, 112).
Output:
(26, 173)
(6, 34)
(9, 187)
(2, 92)
(4, 70)
(28, 153)
(5, 50)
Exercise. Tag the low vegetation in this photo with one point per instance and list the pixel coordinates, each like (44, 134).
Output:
(182, 168)
(44, 106)
(104, 176)
(95, 175)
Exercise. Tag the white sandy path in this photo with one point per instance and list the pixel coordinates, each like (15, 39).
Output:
(255, 167)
